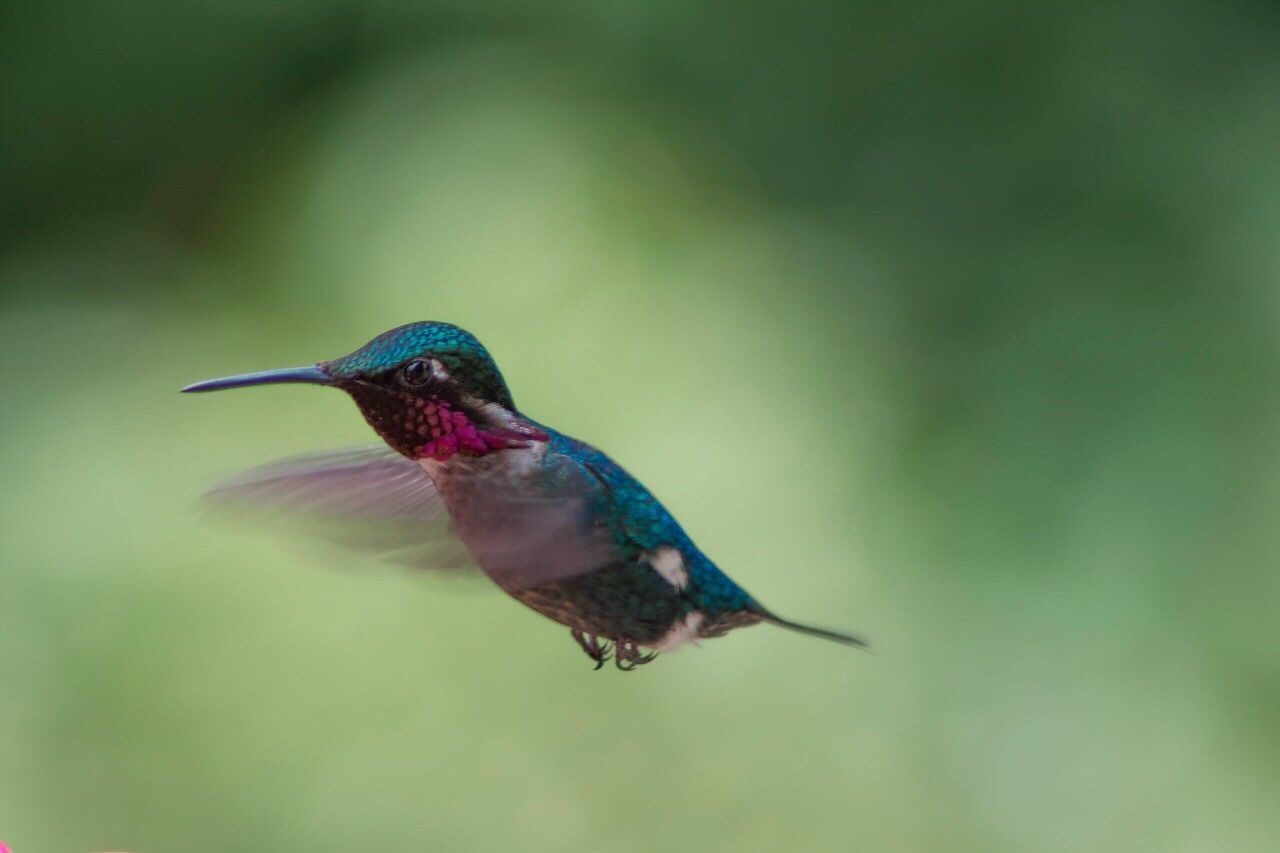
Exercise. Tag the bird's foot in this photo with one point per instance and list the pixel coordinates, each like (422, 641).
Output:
(628, 656)
(597, 649)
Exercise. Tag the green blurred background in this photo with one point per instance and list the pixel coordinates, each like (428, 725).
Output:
(954, 326)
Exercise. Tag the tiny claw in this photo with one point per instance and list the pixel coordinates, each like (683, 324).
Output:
(629, 656)
(596, 650)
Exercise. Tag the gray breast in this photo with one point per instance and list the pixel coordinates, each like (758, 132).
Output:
(524, 524)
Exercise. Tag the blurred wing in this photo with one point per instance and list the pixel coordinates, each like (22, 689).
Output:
(558, 532)
(371, 500)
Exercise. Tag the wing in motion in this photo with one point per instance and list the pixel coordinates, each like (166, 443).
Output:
(370, 500)
(375, 501)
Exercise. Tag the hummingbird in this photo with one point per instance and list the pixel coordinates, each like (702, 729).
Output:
(464, 477)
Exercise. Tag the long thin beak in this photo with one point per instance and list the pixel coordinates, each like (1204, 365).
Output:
(305, 375)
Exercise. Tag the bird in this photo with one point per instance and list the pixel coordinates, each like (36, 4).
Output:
(464, 477)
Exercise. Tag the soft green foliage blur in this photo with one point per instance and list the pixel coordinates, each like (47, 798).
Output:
(956, 327)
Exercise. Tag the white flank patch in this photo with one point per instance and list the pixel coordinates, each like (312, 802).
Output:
(683, 631)
(669, 563)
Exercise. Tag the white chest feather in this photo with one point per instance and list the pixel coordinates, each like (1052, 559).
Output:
(509, 469)
(683, 631)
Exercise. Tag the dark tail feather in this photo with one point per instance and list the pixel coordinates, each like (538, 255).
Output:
(834, 636)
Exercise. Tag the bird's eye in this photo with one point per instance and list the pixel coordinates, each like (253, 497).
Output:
(416, 372)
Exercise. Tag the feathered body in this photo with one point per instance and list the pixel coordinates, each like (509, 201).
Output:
(629, 600)
(553, 521)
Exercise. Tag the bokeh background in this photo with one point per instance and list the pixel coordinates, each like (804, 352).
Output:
(954, 326)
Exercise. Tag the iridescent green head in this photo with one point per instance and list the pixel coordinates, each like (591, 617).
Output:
(396, 357)
(429, 389)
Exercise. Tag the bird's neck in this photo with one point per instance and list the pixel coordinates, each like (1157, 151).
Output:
(470, 483)
(450, 431)
(440, 429)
